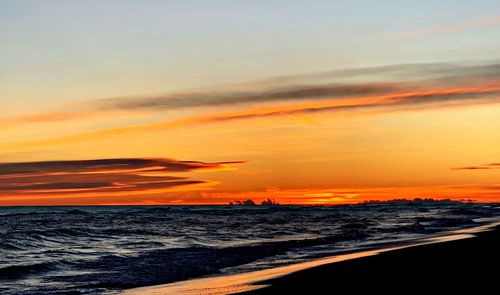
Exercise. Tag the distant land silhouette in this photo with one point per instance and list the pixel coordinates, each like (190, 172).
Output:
(273, 202)
(416, 200)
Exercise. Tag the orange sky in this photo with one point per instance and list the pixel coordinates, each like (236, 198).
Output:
(171, 102)
(327, 138)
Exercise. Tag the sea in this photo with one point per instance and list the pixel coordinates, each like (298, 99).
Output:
(106, 249)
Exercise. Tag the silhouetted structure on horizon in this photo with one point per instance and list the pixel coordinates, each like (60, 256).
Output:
(243, 203)
(269, 202)
(249, 202)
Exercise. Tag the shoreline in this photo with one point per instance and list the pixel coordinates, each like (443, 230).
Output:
(277, 280)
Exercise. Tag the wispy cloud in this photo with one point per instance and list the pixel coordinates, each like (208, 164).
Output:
(479, 167)
(472, 168)
(256, 96)
(208, 99)
(340, 84)
(408, 100)
(403, 99)
(97, 177)
(389, 88)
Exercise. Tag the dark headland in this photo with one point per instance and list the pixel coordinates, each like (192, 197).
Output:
(468, 266)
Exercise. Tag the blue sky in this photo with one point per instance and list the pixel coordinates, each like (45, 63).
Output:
(67, 50)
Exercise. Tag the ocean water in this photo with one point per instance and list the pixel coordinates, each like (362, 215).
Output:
(102, 250)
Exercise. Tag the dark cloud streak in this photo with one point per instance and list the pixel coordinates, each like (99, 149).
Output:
(100, 165)
(397, 100)
(375, 81)
(479, 167)
(405, 86)
(136, 175)
(257, 96)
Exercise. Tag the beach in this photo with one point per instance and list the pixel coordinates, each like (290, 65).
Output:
(462, 261)
(466, 265)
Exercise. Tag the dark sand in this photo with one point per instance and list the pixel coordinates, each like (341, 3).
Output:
(469, 266)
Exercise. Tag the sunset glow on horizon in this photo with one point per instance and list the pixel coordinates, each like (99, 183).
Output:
(165, 104)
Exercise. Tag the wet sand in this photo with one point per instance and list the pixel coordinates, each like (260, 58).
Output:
(463, 261)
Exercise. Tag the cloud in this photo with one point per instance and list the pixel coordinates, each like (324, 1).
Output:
(472, 168)
(403, 99)
(123, 175)
(315, 87)
(120, 165)
(479, 167)
(207, 98)
(341, 84)
(357, 91)
(464, 95)
(255, 96)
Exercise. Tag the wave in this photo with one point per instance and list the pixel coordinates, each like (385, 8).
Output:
(170, 265)
(92, 250)
(16, 271)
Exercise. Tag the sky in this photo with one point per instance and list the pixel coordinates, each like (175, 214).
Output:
(206, 102)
